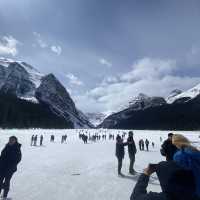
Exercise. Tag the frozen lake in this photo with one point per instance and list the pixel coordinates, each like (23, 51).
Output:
(47, 172)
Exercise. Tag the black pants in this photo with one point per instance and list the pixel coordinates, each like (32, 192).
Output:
(5, 182)
(132, 161)
(119, 164)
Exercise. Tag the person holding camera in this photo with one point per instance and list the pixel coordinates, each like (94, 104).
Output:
(176, 183)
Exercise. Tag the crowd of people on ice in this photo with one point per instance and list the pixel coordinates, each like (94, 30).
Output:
(179, 175)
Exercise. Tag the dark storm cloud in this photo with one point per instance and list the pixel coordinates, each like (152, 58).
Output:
(80, 34)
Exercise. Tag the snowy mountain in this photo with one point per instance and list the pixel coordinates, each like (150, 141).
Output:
(141, 102)
(25, 82)
(185, 96)
(96, 118)
(173, 94)
(181, 112)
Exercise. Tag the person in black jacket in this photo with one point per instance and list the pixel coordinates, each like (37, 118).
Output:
(120, 153)
(131, 151)
(176, 183)
(9, 159)
(168, 149)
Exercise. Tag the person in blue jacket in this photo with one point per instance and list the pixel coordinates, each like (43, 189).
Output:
(176, 183)
(188, 157)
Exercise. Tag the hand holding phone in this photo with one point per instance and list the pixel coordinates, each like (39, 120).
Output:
(150, 169)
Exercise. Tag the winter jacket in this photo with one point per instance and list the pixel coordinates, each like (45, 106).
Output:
(168, 149)
(120, 150)
(140, 191)
(189, 159)
(170, 176)
(131, 146)
(10, 157)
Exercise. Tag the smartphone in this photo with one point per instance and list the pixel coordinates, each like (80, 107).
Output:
(153, 167)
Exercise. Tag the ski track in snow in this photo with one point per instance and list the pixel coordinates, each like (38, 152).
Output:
(47, 172)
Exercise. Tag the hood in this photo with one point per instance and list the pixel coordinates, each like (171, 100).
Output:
(16, 145)
(176, 181)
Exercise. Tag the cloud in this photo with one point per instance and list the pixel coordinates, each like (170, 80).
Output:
(193, 56)
(154, 77)
(108, 80)
(73, 79)
(8, 46)
(39, 40)
(105, 62)
(56, 49)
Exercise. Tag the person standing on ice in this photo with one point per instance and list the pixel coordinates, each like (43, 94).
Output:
(120, 153)
(147, 144)
(9, 159)
(131, 151)
(168, 149)
(35, 140)
(32, 140)
(140, 145)
(41, 140)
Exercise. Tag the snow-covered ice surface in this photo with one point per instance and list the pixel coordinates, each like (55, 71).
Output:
(46, 172)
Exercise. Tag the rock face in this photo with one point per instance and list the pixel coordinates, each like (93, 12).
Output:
(22, 80)
(15, 80)
(54, 94)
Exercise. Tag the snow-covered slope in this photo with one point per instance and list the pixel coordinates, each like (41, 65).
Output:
(19, 78)
(25, 82)
(96, 118)
(139, 103)
(143, 101)
(187, 95)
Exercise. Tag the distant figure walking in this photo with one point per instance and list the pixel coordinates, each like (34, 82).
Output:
(153, 145)
(131, 151)
(168, 149)
(9, 159)
(147, 144)
(41, 140)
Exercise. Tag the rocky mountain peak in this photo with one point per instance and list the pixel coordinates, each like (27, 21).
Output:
(25, 82)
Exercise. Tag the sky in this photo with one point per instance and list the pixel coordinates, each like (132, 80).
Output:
(106, 52)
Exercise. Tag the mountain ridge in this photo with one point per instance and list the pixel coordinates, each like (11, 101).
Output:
(25, 82)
